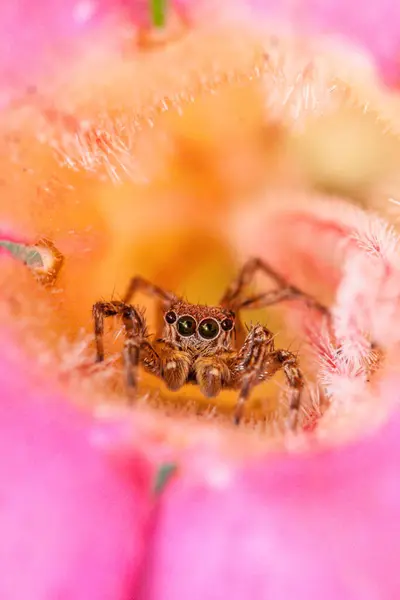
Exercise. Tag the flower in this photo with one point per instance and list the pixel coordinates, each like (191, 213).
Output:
(162, 177)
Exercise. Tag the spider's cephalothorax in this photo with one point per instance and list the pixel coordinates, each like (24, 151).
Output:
(198, 329)
(207, 345)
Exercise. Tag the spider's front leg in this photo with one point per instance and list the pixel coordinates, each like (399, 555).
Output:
(135, 339)
(294, 377)
(258, 361)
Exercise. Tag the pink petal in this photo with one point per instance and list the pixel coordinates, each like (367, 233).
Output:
(324, 525)
(35, 35)
(45, 36)
(374, 27)
(72, 522)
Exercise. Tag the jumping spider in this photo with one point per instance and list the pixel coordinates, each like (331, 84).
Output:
(207, 345)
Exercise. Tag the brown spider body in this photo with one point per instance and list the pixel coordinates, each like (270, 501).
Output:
(205, 345)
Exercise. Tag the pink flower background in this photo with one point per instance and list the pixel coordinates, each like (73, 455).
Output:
(79, 521)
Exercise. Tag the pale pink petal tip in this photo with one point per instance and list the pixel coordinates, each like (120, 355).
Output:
(72, 521)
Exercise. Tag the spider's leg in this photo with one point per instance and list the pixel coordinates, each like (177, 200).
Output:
(294, 377)
(259, 361)
(234, 295)
(249, 365)
(100, 310)
(164, 297)
(135, 332)
(139, 284)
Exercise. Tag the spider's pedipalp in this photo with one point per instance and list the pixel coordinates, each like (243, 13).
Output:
(212, 374)
(175, 366)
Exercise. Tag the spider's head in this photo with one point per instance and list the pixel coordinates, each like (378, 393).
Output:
(199, 328)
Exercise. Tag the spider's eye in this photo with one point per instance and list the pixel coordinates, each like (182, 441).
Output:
(209, 329)
(170, 317)
(186, 326)
(227, 324)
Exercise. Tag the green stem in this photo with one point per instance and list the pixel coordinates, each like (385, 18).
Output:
(26, 254)
(163, 475)
(158, 12)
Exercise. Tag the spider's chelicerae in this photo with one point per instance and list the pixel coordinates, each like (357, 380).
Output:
(207, 345)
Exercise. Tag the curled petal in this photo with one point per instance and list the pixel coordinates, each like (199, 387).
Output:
(348, 258)
(304, 237)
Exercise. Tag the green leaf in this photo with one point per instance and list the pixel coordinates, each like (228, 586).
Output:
(158, 12)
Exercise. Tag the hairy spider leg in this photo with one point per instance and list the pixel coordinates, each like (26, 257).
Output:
(234, 295)
(258, 361)
(139, 284)
(135, 334)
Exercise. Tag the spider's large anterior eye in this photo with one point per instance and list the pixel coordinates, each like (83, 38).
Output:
(227, 324)
(186, 326)
(170, 317)
(209, 329)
